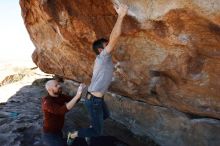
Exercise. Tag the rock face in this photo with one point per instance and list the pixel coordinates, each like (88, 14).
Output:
(168, 54)
(166, 126)
(170, 48)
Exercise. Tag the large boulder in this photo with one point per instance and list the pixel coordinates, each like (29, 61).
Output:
(168, 54)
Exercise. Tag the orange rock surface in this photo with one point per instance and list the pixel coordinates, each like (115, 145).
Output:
(168, 54)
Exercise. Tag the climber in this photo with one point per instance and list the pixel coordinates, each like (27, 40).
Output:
(101, 79)
(54, 107)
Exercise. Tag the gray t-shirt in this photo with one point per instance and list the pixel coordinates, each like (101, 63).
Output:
(102, 73)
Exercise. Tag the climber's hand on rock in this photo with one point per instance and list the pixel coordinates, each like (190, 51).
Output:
(121, 9)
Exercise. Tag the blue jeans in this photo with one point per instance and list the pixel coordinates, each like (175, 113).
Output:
(53, 139)
(98, 112)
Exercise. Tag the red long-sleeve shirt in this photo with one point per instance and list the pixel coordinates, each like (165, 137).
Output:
(54, 109)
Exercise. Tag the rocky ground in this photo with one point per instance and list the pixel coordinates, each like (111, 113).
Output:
(21, 116)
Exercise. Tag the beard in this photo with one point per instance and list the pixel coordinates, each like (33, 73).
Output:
(58, 92)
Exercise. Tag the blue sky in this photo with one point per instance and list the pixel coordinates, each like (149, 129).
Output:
(14, 38)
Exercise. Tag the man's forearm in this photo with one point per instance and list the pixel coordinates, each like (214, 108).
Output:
(115, 34)
(72, 102)
(116, 31)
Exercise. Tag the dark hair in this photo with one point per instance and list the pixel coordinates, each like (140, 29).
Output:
(99, 44)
